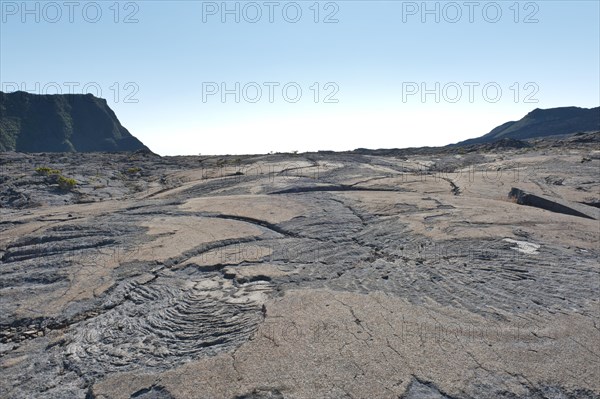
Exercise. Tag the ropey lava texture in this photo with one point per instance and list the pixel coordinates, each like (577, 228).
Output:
(302, 276)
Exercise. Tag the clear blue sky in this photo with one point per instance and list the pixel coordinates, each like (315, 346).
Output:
(375, 61)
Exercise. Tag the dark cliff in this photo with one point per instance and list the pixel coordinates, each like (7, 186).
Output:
(61, 123)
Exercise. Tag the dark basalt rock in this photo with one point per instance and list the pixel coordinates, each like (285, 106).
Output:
(553, 205)
(153, 392)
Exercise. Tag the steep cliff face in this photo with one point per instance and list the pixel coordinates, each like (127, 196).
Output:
(543, 123)
(61, 123)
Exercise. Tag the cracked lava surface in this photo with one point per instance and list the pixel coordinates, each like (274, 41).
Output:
(301, 276)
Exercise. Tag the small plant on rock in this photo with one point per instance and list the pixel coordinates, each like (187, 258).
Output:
(46, 171)
(133, 170)
(66, 183)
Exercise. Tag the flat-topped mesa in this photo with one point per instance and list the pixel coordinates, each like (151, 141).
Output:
(61, 123)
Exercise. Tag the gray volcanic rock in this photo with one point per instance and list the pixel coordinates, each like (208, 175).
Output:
(301, 276)
(61, 123)
(554, 205)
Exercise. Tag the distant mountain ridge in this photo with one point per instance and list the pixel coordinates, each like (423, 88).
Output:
(61, 123)
(544, 123)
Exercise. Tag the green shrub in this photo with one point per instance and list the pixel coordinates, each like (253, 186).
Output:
(133, 170)
(46, 171)
(66, 183)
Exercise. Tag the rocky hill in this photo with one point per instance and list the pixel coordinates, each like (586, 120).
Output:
(61, 123)
(544, 123)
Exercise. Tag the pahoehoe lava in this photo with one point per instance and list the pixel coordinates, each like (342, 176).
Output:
(163, 323)
(325, 275)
